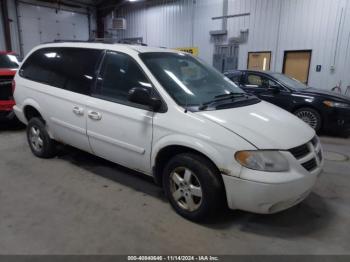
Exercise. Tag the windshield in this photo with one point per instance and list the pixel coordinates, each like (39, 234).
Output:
(9, 61)
(289, 81)
(188, 80)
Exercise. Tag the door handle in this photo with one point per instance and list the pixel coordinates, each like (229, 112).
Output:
(95, 115)
(78, 110)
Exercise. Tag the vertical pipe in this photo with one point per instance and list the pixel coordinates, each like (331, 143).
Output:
(100, 24)
(338, 34)
(193, 21)
(277, 37)
(19, 30)
(224, 14)
(6, 21)
(89, 21)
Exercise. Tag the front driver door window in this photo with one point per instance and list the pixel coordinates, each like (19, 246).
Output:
(268, 90)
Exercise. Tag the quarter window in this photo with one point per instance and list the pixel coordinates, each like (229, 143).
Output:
(67, 68)
(119, 74)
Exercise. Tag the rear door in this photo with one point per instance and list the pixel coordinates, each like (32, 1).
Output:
(60, 80)
(119, 130)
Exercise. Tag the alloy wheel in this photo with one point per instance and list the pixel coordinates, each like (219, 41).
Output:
(308, 117)
(36, 139)
(186, 189)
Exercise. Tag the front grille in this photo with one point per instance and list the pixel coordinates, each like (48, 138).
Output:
(310, 165)
(308, 155)
(6, 88)
(300, 151)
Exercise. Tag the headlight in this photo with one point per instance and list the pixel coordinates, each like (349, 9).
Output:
(270, 161)
(336, 104)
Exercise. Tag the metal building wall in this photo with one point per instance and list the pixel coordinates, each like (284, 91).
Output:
(171, 23)
(274, 25)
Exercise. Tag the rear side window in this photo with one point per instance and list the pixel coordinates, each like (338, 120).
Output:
(67, 68)
(119, 74)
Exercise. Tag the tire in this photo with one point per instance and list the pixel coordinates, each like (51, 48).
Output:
(39, 140)
(195, 176)
(310, 116)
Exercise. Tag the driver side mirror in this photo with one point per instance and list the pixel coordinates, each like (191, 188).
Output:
(142, 96)
(274, 89)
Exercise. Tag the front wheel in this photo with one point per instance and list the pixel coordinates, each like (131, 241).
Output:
(193, 186)
(310, 116)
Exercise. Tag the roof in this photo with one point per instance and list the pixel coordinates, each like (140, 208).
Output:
(250, 71)
(110, 46)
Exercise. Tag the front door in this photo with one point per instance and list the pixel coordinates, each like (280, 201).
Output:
(267, 89)
(119, 130)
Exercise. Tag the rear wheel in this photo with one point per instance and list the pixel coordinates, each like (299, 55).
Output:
(310, 116)
(39, 140)
(193, 187)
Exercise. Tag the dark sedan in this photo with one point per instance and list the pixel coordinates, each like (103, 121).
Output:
(321, 109)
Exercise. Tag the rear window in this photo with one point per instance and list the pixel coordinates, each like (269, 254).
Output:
(9, 61)
(67, 68)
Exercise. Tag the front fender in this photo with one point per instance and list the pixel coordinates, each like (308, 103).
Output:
(222, 158)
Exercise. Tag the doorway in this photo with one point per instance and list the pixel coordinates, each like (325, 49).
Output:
(259, 61)
(296, 64)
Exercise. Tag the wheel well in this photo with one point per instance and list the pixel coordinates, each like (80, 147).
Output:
(306, 106)
(165, 154)
(31, 112)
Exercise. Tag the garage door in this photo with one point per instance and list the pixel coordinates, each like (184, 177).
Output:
(41, 24)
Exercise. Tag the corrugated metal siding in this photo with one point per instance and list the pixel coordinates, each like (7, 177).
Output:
(274, 25)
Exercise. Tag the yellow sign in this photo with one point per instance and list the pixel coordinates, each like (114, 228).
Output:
(192, 50)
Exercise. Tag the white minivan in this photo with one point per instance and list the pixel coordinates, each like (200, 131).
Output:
(168, 115)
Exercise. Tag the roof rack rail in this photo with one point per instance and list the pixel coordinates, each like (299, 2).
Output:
(98, 40)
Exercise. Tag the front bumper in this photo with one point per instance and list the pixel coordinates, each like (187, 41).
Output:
(6, 110)
(337, 121)
(271, 192)
(266, 198)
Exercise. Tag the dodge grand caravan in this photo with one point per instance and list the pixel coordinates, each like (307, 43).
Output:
(168, 115)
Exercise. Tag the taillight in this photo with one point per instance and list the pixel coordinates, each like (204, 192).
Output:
(13, 86)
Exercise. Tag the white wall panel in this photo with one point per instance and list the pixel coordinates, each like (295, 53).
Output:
(41, 24)
(274, 25)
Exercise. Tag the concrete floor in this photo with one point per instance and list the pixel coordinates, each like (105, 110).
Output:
(80, 204)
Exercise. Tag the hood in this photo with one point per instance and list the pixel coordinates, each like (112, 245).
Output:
(325, 93)
(7, 71)
(264, 125)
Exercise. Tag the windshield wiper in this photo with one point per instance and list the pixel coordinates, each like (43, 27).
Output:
(230, 95)
(223, 97)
